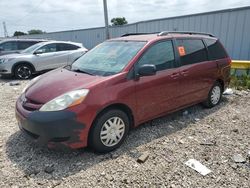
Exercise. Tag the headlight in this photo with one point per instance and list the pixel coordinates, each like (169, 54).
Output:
(30, 83)
(5, 60)
(66, 100)
(2, 60)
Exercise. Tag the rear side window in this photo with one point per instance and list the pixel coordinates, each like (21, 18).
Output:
(9, 46)
(161, 55)
(25, 44)
(65, 47)
(215, 49)
(191, 51)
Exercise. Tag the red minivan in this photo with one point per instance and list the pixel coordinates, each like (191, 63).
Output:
(120, 84)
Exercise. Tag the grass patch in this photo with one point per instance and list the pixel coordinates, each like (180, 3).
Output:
(240, 82)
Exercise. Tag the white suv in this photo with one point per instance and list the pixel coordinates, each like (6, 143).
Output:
(40, 57)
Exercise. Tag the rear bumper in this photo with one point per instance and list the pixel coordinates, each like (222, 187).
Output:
(53, 129)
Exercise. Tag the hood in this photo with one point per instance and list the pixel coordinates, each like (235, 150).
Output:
(14, 55)
(58, 82)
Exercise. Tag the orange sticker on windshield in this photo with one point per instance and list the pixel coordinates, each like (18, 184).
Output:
(181, 50)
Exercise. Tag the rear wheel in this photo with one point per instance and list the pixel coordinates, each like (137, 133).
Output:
(109, 131)
(23, 71)
(214, 96)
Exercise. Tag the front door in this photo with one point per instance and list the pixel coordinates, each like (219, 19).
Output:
(157, 94)
(50, 57)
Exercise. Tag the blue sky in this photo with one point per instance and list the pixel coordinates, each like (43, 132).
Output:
(57, 15)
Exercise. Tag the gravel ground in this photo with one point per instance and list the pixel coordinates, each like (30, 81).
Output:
(211, 136)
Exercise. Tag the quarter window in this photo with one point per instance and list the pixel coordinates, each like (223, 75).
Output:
(161, 55)
(191, 51)
(215, 49)
(65, 47)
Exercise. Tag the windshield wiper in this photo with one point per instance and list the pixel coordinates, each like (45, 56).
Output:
(81, 71)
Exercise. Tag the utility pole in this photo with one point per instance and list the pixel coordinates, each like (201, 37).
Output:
(106, 18)
(5, 30)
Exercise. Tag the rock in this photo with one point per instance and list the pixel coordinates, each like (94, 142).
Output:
(235, 130)
(109, 177)
(114, 155)
(143, 157)
(196, 119)
(237, 158)
(248, 156)
(208, 143)
(102, 173)
(244, 92)
(49, 169)
(32, 171)
(239, 93)
(185, 113)
(14, 83)
(234, 166)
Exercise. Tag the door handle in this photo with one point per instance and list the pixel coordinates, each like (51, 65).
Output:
(184, 72)
(175, 75)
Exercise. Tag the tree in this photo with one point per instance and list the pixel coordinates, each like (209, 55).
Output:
(35, 31)
(19, 33)
(119, 21)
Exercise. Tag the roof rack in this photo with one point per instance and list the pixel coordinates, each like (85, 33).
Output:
(129, 34)
(163, 33)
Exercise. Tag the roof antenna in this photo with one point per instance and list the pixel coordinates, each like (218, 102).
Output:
(5, 30)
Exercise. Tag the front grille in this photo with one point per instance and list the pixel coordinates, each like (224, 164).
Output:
(30, 105)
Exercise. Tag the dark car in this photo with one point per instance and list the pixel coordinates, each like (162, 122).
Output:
(10, 46)
(121, 84)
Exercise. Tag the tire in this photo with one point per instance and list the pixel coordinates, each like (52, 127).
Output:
(23, 71)
(105, 137)
(214, 96)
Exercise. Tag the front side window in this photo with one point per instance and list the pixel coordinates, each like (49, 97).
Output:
(48, 48)
(161, 55)
(108, 58)
(191, 51)
(215, 49)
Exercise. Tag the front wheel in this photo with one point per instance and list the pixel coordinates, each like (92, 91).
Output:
(214, 96)
(109, 131)
(23, 71)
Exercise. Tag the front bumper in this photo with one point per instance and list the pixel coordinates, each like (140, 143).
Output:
(55, 129)
(4, 69)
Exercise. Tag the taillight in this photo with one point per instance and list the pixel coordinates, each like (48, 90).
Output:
(229, 61)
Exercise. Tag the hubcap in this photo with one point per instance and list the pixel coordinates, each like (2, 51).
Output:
(23, 72)
(215, 97)
(112, 131)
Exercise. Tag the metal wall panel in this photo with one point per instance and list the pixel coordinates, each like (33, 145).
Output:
(231, 26)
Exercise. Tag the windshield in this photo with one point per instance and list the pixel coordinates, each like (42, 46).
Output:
(108, 58)
(32, 48)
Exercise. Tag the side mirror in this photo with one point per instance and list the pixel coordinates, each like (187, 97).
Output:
(39, 51)
(147, 70)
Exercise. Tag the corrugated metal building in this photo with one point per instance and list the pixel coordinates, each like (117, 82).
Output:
(232, 26)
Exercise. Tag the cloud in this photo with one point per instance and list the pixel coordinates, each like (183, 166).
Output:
(56, 15)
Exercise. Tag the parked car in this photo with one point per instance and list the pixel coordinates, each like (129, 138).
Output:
(40, 57)
(9, 46)
(120, 84)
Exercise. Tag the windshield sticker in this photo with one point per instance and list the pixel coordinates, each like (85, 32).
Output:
(181, 50)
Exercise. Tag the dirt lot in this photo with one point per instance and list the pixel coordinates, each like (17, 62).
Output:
(211, 136)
